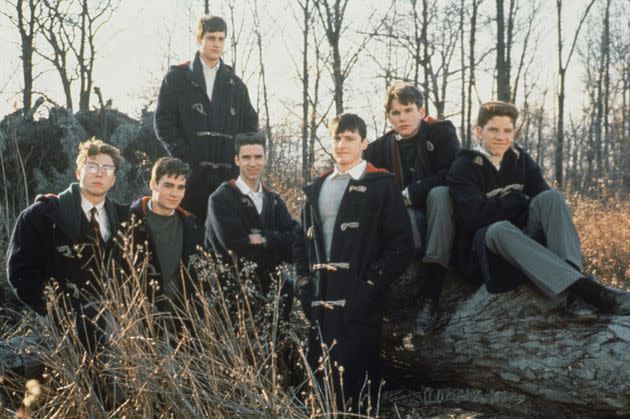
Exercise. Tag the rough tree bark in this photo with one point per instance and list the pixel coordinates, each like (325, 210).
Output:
(515, 341)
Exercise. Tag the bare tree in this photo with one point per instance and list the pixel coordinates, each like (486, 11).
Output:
(562, 70)
(332, 14)
(474, 9)
(24, 19)
(70, 28)
(51, 25)
(93, 16)
(263, 82)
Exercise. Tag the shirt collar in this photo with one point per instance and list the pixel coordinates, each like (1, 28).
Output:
(496, 161)
(246, 190)
(355, 173)
(87, 205)
(150, 206)
(207, 68)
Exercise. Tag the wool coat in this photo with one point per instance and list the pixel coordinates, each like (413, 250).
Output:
(200, 130)
(483, 195)
(437, 148)
(232, 217)
(52, 239)
(192, 242)
(371, 246)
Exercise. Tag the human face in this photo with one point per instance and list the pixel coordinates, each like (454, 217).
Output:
(167, 193)
(405, 118)
(251, 161)
(211, 47)
(497, 135)
(347, 149)
(94, 186)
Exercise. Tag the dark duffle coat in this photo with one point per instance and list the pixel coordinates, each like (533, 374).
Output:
(437, 148)
(192, 241)
(52, 239)
(200, 130)
(483, 195)
(371, 246)
(232, 217)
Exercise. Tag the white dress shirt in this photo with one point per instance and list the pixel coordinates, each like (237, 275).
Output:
(101, 217)
(355, 173)
(256, 196)
(210, 75)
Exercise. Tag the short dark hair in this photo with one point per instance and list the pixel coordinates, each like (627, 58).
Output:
(210, 23)
(347, 122)
(169, 166)
(248, 138)
(405, 94)
(94, 146)
(489, 110)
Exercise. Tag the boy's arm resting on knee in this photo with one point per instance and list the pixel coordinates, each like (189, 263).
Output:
(473, 209)
(444, 138)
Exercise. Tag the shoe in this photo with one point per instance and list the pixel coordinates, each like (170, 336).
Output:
(425, 318)
(607, 300)
(618, 300)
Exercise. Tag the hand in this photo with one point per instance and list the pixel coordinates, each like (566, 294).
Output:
(256, 239)
(405, 195)
(303, 286)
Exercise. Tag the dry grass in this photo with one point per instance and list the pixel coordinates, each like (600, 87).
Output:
(236, 359)
(233, 358)
(604, 227)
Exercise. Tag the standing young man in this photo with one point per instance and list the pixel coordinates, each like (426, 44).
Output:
(512, 226)
(171, 234)
(354, 241)
(420, 151)
(201, 106)
(248, 219)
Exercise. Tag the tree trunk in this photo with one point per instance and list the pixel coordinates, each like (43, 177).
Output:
(306, 172)
(515, 341)
(503, 67)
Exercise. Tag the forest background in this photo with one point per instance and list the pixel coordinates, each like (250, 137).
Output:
(75, 68)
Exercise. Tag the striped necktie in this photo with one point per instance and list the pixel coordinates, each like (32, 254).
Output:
(94, 225)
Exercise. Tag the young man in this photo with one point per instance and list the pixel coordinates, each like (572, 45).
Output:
(249, 220)
(171, 234)
(354, 241)
(420, 151)
(70, 238)
(49, 235)
(201, 106)
(512, 226)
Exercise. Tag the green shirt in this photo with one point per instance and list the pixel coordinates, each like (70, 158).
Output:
(168, 238)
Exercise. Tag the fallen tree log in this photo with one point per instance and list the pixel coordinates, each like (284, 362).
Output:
(521, 354)
(516, 342)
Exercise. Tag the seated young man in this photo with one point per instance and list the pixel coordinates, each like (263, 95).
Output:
(354, 241)
(171, 234)
(419, 151)
(512, 226)
(248, 219)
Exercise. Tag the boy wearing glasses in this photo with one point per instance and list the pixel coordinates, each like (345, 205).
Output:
(54, 237)
(70, 238)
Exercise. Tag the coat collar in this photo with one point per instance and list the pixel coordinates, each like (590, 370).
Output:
(68, 215)
(141, 206)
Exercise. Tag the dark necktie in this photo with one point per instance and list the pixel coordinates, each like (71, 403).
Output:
(94, 226)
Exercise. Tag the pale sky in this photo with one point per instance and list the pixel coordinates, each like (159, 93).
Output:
(144, 37)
